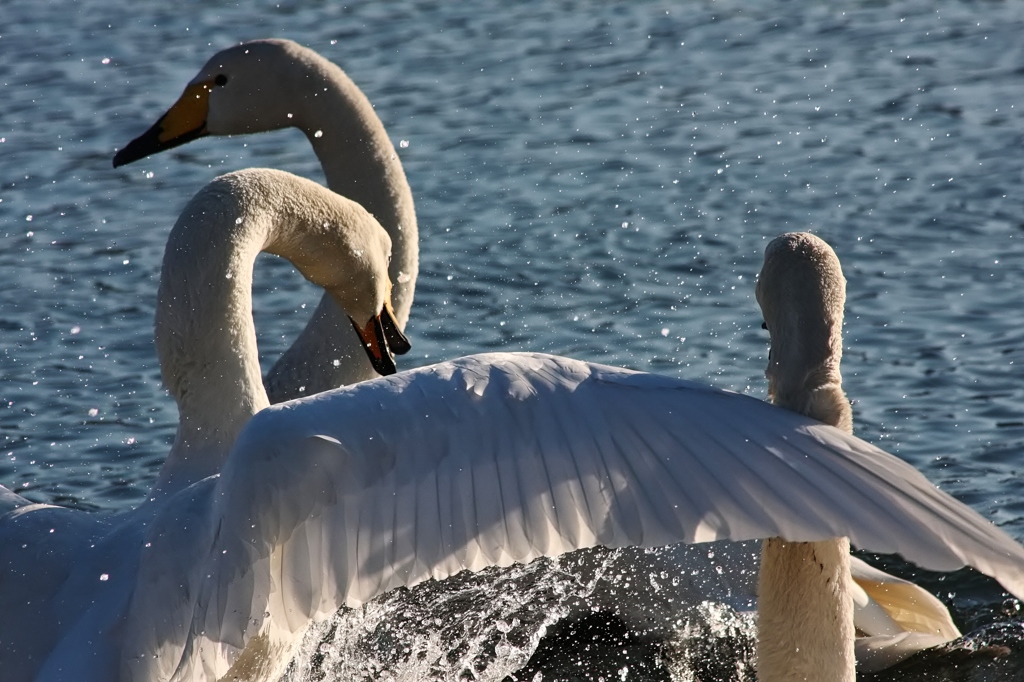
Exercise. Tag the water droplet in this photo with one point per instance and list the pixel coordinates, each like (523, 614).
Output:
(28, 218)
(238, 221)
(76, 330)
(93, 411)
(105, 60)
(104, 577)
(318, 133)
(403, 144)
(403, 277)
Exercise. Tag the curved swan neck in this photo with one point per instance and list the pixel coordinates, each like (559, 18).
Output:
(360, 162)
(205, 335)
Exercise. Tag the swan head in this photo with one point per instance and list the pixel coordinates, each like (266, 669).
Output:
(801, 291)
(248, 88)
(344, 250)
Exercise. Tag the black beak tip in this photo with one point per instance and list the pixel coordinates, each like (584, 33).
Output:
(149, 143)
(384, 366)
(397, 341)
(400, 346)
(139, 148)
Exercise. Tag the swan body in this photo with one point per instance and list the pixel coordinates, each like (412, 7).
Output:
(67, 577)
(266, 85)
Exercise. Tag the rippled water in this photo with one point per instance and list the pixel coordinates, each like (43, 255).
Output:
(591, 179)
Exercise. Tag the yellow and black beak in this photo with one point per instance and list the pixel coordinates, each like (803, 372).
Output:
(382, 340)
(183, 122)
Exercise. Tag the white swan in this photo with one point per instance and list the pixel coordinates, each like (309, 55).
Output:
(486, 460)
(65, 573)
(270, 84)
(806, 597)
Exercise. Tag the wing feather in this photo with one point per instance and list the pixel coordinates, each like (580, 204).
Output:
(491, 459)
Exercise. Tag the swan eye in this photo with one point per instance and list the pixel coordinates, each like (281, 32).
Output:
(221, 79)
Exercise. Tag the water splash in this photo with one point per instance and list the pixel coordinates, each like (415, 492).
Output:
(596, 611)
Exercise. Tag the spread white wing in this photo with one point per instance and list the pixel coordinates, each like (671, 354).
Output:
(497, 458)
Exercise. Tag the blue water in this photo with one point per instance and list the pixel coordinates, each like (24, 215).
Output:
(591, 179)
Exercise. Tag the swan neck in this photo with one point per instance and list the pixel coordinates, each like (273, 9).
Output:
(206, 338)
(360, 163)
(205, 335)
(803, 371)
(818, 394)
(805, 612)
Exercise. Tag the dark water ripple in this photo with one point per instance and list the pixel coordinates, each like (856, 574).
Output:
(592, 180)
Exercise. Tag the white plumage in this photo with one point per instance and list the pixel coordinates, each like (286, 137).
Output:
(496, 458)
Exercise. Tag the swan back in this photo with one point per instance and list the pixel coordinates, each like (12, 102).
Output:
(801, 291)
(204, 331)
